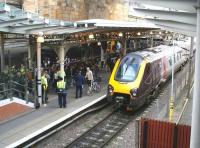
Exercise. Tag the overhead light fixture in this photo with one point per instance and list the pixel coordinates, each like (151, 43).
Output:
(138, 33)
(99, 43)
(62, 23)
(91, 36)
(120, 34)
(46, 21)
(75, 24)
(160, 32)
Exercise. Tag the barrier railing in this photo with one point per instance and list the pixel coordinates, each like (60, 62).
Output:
(154, 133)
(15, 89)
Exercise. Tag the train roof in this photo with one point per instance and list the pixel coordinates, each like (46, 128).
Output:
(152, 54)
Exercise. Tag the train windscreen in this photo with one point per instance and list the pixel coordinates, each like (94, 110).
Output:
(128, 68)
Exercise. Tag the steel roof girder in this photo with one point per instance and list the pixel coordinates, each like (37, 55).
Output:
(36, 30)
(183, 17)
(8, 30)
(26, 27)
(182, 31)
(74, 30)
(186, 5)
(173, 24)
(13, 22)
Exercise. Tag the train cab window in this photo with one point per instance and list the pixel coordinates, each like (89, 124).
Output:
(128, 68)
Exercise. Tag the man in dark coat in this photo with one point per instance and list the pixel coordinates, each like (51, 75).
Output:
(79, 80)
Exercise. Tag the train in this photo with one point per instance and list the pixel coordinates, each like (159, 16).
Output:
(137, 77)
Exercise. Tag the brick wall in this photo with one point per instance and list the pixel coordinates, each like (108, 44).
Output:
(72, 10)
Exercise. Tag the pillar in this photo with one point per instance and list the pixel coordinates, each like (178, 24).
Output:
(9, 58)
(190, 68)
(40, 39)
(2, 52)
(151, 42)
(171, 101)
(62, 57)
(125, 47)
(30, 64)
(195, 132)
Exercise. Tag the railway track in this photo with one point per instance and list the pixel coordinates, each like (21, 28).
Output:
(104, 131)
(35, 140)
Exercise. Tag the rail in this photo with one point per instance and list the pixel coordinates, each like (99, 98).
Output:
(105, 130)
(32, 141)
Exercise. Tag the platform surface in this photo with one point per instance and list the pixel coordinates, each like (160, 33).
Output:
(21, 122)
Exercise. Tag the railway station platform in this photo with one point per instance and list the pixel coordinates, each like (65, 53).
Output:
(31, 122)
(24, 122)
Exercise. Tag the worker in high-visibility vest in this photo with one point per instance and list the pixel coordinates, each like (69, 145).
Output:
(44, 83)
(62, 92)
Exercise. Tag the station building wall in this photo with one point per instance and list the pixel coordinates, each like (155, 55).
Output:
(73, 10)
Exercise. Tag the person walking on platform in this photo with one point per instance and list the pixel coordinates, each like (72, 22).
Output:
(44, 83)
(79, 80)
(62, 92)
(89, 78)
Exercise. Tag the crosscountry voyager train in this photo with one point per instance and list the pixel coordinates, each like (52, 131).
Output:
(137, 76)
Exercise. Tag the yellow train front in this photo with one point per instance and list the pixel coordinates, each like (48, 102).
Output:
(137, 76)
(124, 84)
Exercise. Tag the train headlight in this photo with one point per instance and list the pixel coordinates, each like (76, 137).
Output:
(133, 92)
(110, 89)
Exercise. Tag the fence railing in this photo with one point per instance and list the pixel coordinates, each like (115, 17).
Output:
(15, 89)
(160, 134)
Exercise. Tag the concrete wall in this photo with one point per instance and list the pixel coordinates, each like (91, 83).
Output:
(72, 10)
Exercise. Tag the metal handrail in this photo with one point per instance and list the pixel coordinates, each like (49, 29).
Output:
(17, 83)
(2, 84)
(10, 87)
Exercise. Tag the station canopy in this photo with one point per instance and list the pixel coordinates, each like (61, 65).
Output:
(15, 20)
(173, 15)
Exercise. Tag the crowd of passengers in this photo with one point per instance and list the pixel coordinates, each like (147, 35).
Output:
(22, 76)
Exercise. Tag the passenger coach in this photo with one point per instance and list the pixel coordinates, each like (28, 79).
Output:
(136, 77)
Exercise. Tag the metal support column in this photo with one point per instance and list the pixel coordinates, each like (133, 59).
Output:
(190, 68)
(9, 58)
(102, 56)
(40, 39)
(29, 56)
(195, 132)
(171, 103)
(2, 52)
(62, 57)
(125, 46)
(151, 42)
